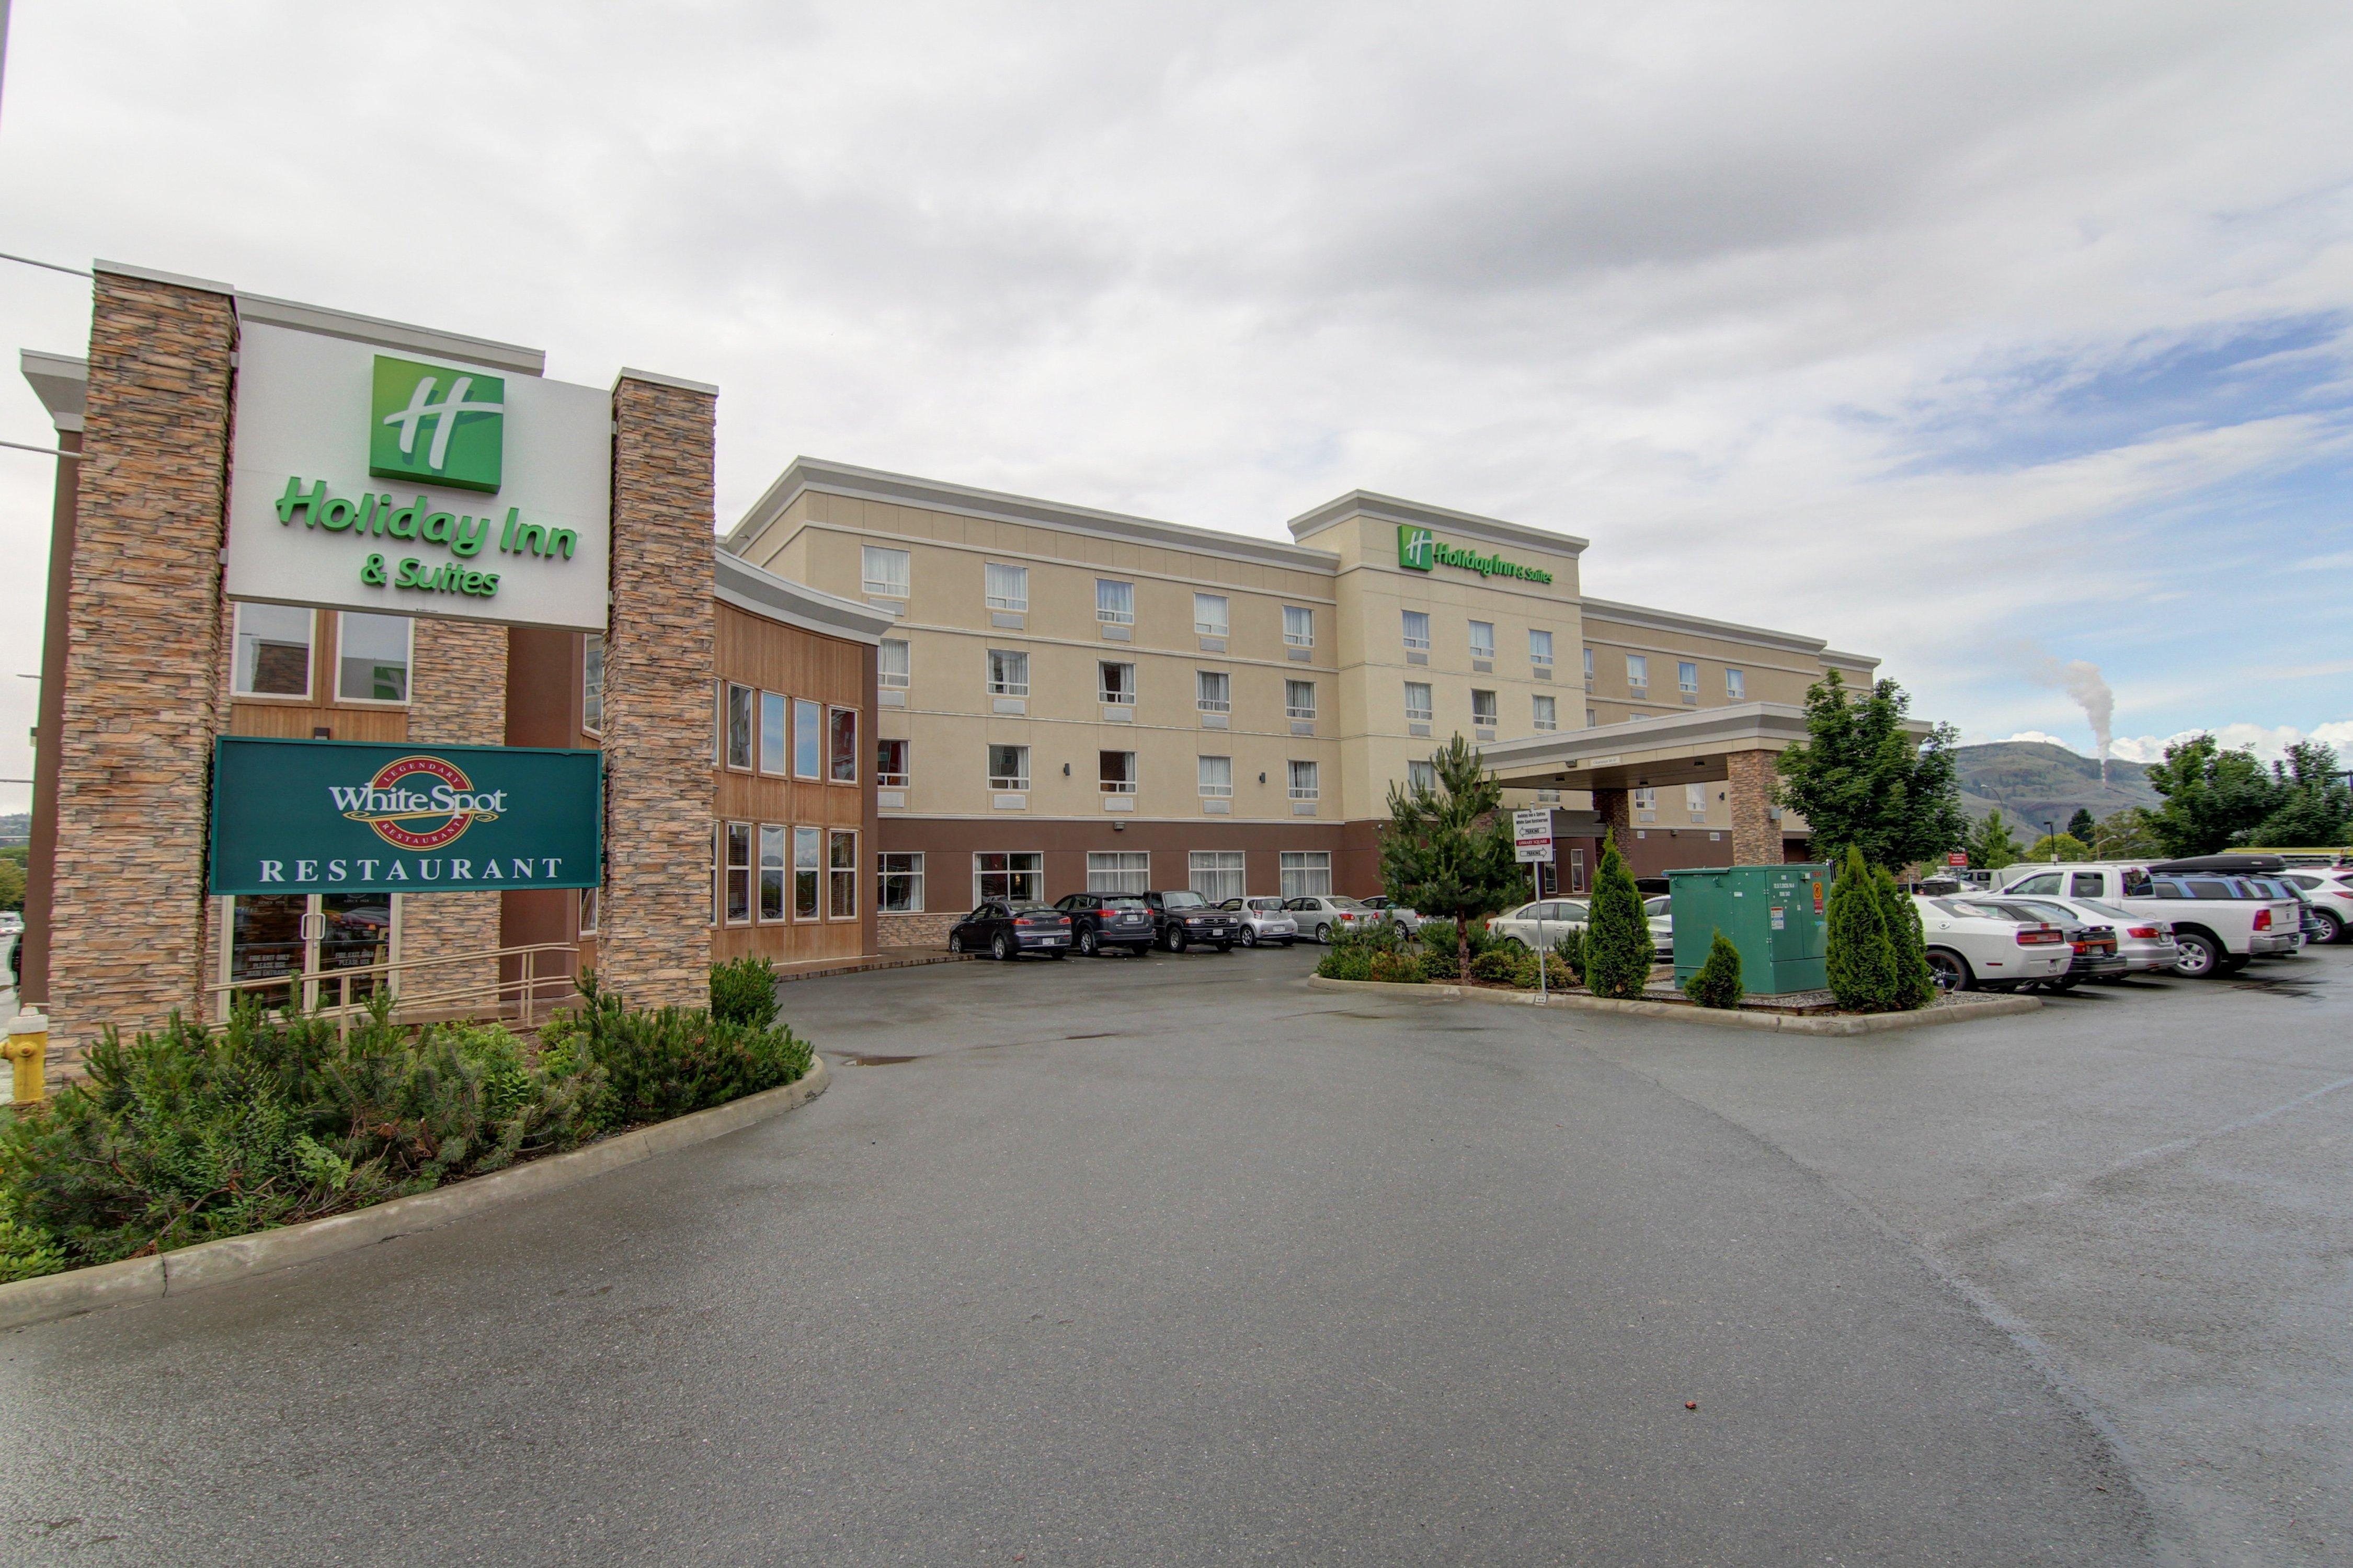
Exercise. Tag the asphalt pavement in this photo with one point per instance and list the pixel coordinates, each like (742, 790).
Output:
(1179, 1260)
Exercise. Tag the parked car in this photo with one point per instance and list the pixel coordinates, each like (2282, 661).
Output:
(2330, 893)
(1975, 943)
(1325, 915)
(1264, 921)
(1103, 923)
(1182, 918)
(2146, 945)
(2220, 923)
(11, 922)
(1405, 919)
(1005, 930)
(1660, 914)
(1540, 925)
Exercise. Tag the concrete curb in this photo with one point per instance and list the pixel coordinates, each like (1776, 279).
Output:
(1963, 1012)
(81, 1291)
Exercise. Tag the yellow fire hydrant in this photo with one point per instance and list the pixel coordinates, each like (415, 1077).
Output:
(27, 1051)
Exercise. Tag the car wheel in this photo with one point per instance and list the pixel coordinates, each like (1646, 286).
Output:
(2332, 929)
(1323, 931)
(2234, 964)
(1058, 954)
(1000, 947)
(1176, 941)
(955, 941)
(1249, 936)
(1513, 944)
(2063, 985)
(1949, 970)
(1288, 941)
(1087, 948)
(1225, 947)
(2202, 955)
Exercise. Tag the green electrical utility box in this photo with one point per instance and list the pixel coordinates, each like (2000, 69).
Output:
(1773, 914)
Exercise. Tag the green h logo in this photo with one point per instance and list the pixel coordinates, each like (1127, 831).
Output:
(1416, 547)
(429, 422)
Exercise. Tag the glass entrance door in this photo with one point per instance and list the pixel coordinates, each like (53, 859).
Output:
(308, 937)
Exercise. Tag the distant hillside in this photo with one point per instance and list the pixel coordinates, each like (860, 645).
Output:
(15, 828)
(2034, 781)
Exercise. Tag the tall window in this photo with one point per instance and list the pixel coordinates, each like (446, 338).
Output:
(1299, 698)
(1306, 873)
(1589, 669)
(1417, 702)
(1007, 587)
(1646, 806)
(1116, 683)
(1116, 771)
(1736, 685)
(1115, 602)
(776, 733)
(1592, 718)
(1547, 713)
(1209, 619)
(1213, 692)
(1008, 673)
(1118, 871)
(1215, 874)
(740, 726)
(884, 572)
(1483, 709)
(841, 755)
(899, 879)
(1018, 876)
(591, 683)
(738, 841)
(1687, 679)
(588, 902)
(890, 765)
(1298, 626)
(1217, 775)
(372, 658)
(1009, 767)
(1303, 781)
(1482, 639)
(1696, 801)
(273, 651)
(809, 739)
(1540, 648)
(841, 876)
(1420, 775)
(893, 667)
(808, 858)
(1417, 631)
(1638, 672)
(772, 872)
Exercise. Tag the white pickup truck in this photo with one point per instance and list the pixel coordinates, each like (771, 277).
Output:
(2218, 920)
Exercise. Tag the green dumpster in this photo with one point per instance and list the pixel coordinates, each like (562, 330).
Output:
(1773, 914)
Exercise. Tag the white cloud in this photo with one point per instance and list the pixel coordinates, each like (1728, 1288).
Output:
(2044, 736)
(2268, 741)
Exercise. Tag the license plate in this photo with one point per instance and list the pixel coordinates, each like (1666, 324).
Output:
(1053, 942)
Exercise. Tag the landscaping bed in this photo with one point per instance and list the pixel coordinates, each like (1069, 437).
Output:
(191, 1135)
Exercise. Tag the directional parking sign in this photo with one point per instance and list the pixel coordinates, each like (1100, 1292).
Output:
(1532, 835)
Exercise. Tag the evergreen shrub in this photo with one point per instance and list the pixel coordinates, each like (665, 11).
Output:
(673, 1061)
(1617, 947)
(1717, 983)
(1914, 983)
(1857, 956)
(1557, 974)
(1498, 964)
(743, 991)
(1397, 968)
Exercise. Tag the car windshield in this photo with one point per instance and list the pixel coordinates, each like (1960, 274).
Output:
(1184, 900)
(1123, 902)
(1036, 909)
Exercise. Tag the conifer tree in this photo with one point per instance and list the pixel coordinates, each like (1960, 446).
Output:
(1618, 948)
(1857, 956)
(1448, 849)
(1718, 983)
(1907, 944)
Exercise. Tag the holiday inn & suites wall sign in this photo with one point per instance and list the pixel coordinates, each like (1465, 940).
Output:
(1420, 550)
(312, 816)
(363, 479)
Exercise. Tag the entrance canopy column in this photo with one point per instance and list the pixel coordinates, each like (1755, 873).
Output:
(1755, 836)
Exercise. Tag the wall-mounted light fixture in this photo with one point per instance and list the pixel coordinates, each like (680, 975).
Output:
(1261, 778)
(1066, 769)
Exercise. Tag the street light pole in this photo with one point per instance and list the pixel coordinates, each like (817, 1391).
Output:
(2050, 832)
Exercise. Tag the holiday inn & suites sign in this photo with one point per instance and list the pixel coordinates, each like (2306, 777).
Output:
(1420, 550)
(308, 816)
(367, 481)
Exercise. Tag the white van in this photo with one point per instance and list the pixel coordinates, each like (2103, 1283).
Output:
(2218, 920)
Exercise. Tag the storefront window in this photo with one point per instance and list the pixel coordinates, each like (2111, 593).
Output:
(372, 657)
(842, 763)
(772, 872)
(740, 726)
(1215, 874)
(809, 739)
(900, 878)
(739, 872)
(273, 651)
(1018, 876)
(776, 732)
(1306, 873)
(1118, 871)
(809, 860)
(841, 876)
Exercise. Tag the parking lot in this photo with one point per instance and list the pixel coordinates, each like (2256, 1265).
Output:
(1177, 1259)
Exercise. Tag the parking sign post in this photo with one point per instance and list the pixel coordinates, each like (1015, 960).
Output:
(1532, 843)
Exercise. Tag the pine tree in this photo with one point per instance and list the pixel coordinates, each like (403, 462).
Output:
(1857, 956)
(1718, 983)
(1617, 947)
(1447, 851)
(2081, 825)
(1990, 844)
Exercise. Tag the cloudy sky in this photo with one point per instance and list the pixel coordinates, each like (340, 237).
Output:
(1988, 338)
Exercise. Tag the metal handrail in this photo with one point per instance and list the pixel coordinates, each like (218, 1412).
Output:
(391, 972)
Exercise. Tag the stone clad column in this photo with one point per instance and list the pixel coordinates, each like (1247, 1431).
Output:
(458, 686)
(127, 935)
(1614, 808)
(1756, 836)
(654, 944)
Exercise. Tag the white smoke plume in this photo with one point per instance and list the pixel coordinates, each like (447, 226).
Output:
(2081, 679)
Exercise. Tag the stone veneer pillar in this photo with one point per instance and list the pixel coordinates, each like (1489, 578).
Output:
(1756, 836)
(654, 927)
(1614, 808)
(127, 898)
(458, 684)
